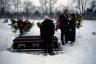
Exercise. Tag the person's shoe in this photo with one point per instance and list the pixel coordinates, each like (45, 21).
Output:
(72, 43)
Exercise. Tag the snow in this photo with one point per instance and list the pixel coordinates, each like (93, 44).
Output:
(82, 52)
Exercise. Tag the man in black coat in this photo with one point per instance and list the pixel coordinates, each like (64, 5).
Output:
(47, 33)
(63, 19)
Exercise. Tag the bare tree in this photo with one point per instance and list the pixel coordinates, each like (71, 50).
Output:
(16, 4)
(1, 5)
(48, 6)
(51, 5)
(44, 6)
(93, 5)
(28, 7)
(81, 5)
(4, 5)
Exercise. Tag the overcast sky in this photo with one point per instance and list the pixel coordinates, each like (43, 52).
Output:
(63, 2)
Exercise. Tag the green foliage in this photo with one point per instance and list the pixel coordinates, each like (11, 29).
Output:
(28, 27)
(15, 27)
(79, 20)
(39, 24)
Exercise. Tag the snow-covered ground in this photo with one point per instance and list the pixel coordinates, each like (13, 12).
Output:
(82, 52)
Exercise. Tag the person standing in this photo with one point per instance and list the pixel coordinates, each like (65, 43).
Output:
(47, 33)
(72, 28)
(63, 19)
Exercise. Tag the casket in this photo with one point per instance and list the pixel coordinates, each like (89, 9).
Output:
(32, 43)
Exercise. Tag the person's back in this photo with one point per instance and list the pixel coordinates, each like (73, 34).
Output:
(47, 28)
(47, 33)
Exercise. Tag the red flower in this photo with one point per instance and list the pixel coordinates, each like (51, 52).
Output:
(20, 24)
(58, 24)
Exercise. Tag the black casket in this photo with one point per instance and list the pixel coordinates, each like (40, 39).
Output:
(32, 43)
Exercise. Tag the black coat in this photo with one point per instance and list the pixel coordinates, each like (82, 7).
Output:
(72, 30)
(47, 29)
(63, 21)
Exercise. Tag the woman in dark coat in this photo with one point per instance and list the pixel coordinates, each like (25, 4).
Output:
(72, 28)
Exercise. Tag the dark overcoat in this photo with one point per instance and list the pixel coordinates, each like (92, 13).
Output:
(47, 29)
(72, 30)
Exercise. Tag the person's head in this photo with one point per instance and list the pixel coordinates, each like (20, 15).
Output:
(65, 12)
(72, 16)
(46, 17)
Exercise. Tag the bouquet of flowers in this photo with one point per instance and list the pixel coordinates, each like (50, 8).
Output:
(22, 26)
(57, 25)
(79, 19)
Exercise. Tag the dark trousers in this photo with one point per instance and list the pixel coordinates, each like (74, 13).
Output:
(47, 45)
(72, 36)
(64, 36)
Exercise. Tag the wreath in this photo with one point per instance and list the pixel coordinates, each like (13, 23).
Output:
(20, 26)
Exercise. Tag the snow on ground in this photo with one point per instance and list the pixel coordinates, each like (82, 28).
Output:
(82, 52)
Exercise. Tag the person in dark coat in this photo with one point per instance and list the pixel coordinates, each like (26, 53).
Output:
(63, 19)
(47, 33)
(72, 28)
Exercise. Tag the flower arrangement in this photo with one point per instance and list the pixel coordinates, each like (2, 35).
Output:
(79, 19)
(57, 24)
(22, 26)
(39, 24)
